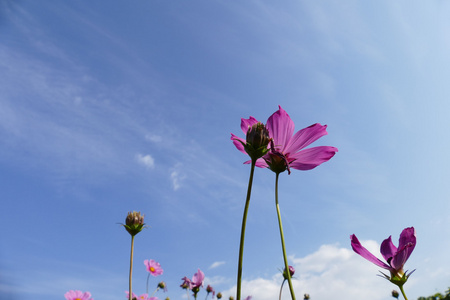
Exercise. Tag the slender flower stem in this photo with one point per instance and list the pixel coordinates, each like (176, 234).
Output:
(281, 289)
(244, 220)
(403, 292)
(148, 277)
(286, 265)
(130, 296)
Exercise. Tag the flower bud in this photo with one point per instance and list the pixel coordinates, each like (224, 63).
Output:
(257, 139)
(134, 223)
(219, 296)
(395, 294)
(162, 285)
(291, 272)
(306, 297)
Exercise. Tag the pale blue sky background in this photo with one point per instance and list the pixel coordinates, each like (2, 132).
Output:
(112, 106)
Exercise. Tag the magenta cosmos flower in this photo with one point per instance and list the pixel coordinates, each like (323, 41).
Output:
(395, 257)
(287, 150)
(153, 267)
(78, 295)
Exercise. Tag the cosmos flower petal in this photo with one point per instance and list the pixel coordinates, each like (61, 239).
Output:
(310, 158)
(407, 236)
(305, 137)
(281, 127)
(237, 142)
(402, 255)
(246, 123)
(358, 248)
(388, 249)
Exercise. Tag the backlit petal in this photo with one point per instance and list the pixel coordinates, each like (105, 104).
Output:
(408, 237)
(238, 144)
(281, 128)
(305, 137)
(400, 258)
(358, 248)
(246, 123)
(388, 249)
(310, 158)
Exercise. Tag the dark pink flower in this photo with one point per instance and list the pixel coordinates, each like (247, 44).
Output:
(395, 257)
(153, 267)
(78, 295)
(287, 149)
(210, 289)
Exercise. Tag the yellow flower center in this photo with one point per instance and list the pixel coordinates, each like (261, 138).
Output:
(152, 269)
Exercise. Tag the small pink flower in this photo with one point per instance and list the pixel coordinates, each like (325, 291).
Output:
(153, 267)
(187, 284)
(197, 279)
(141, 297)
(210, 289)
(77, 295)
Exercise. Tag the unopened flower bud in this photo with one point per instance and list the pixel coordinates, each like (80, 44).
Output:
(134, 223)
(162, 285)
(291, 272)
(257, 139)
(306, 297)
(219, 296)
(395, 294)
(231, 298)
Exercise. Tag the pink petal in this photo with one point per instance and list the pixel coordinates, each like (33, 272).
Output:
(310, 158)
(388, 249)
(305, 137)
(358, 248)
(281, 128)
(246, 123)
(400, 258)
(238, 144)
(407, 237)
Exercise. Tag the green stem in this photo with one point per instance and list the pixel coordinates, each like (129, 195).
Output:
(281, 289)
(286, 265)
(244, 220)
(130, 296)
(403, 292)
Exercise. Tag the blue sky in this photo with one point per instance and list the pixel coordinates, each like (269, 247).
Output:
(113, 106)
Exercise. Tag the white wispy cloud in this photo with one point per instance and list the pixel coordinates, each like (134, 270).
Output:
(146, 160)
(216, 264)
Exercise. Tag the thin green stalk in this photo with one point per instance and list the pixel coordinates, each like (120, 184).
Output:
(130, 296)
(403, 292)
(244, 220)
(286, 265)
(281, 289)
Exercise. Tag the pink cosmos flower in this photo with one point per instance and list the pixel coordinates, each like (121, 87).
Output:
(77, 295)
(210, 289)
(287, 149)
(187, 284)
(395, 257)
(197, 279)
(153, 267)
(141, 297)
